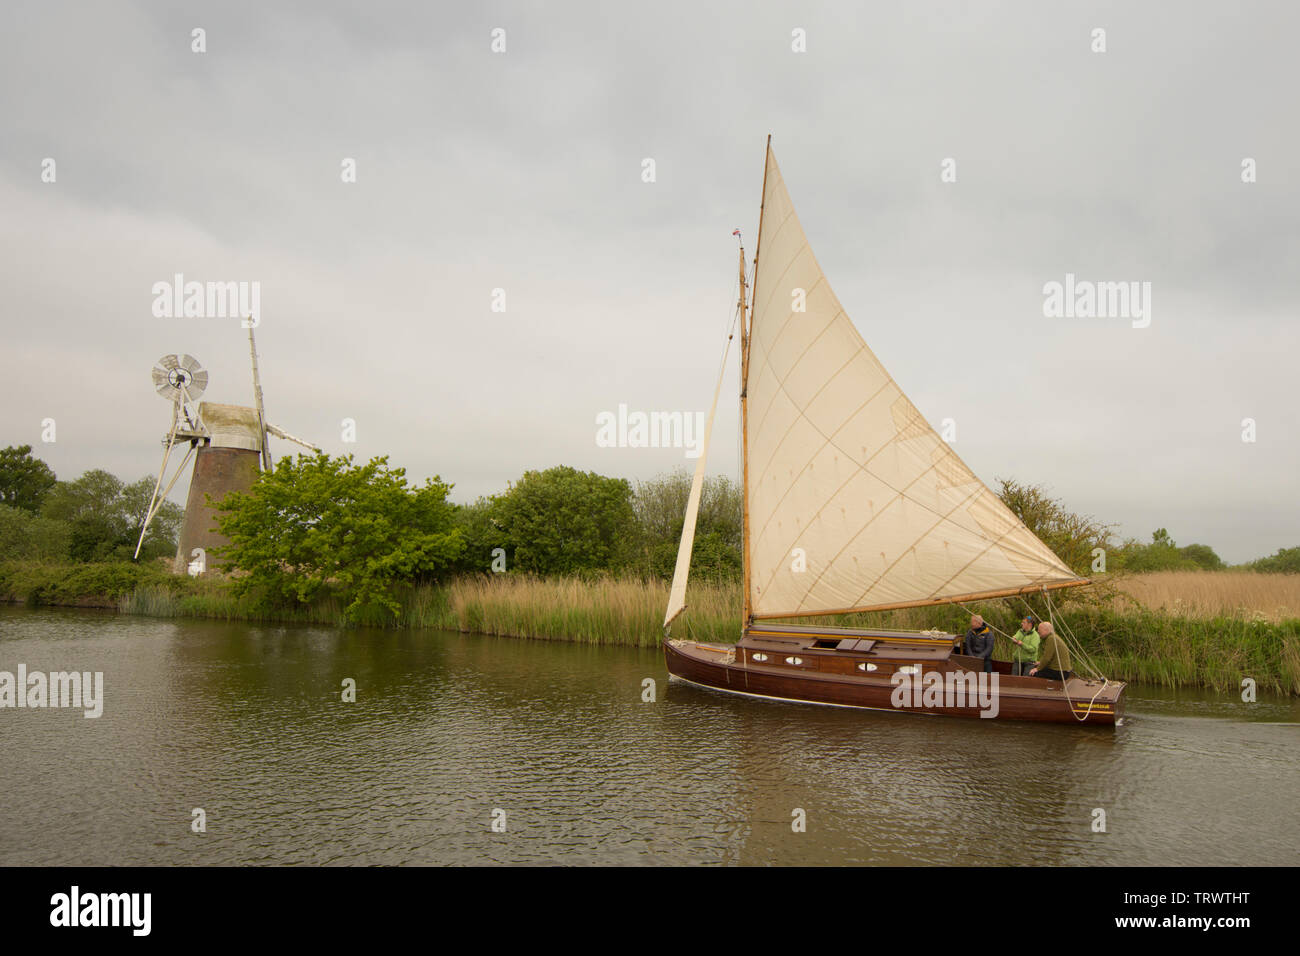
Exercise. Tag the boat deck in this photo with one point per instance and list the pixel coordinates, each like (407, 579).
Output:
(859, 668)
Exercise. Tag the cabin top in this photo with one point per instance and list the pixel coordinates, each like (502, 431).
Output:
(881, 644)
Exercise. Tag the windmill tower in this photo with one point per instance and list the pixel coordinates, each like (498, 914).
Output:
(228, 444)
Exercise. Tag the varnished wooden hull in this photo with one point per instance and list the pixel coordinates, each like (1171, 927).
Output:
(759, 665)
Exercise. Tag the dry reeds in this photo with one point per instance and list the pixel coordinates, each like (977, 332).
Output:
(1200, 594)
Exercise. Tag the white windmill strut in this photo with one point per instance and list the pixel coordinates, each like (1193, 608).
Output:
(180, 403)
(281, 433)
(267, 462)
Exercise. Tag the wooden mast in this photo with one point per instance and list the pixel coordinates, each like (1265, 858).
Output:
(747, 614)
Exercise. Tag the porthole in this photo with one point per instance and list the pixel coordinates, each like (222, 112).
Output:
(909, 669)
(794, 660)
(866, 667)
(760, 657)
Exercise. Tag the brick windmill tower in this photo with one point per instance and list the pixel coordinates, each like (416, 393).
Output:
(228, 444)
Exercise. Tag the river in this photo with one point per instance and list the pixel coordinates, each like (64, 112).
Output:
(450, 733)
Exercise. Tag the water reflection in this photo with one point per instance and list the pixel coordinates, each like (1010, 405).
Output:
(247, 722)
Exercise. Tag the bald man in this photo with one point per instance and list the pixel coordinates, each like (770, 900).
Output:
(1053, 656)
(979, 641)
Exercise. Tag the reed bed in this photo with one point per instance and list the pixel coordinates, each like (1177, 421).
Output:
(1156, 647)
(625, 611)
(1212, 594)
(211, 599)
(1175, 629)
(1189, 646)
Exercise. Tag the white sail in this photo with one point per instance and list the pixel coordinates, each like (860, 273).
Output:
(854, 501)
(677, 594)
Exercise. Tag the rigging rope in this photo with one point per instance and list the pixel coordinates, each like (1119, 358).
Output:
(1071, 642)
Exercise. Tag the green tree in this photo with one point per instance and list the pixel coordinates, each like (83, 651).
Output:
(24, 480)
(96, 492)
(660, 508)
(28, 537)
(1201, 555)
(104, 517)
(1164, 554)
(564, 521)
(1286, 561)
(321, 525)
(713, 558)
(482, 534)
(165, 528)
(1160, 555)
(1071, 537)
(91, 507)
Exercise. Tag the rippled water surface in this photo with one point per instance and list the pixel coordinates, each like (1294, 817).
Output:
(246, 722)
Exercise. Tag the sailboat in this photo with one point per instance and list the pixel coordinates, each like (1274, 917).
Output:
(853, 503)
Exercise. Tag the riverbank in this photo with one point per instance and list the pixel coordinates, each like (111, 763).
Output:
(1196, 644)
(1202, 629)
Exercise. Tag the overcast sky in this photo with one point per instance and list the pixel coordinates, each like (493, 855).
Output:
(522, 171)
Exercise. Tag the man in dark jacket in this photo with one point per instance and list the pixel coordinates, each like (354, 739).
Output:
(979, 642)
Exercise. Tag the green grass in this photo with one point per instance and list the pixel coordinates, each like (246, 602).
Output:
(1217, 652)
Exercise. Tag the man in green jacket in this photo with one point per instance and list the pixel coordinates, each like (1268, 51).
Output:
(1053, 658)
(1025, 652)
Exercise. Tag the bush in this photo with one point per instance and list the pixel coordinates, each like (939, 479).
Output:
(660, 508)
(24, 480)
(1163, 554)
(563, 522)
(482, 534)
(319, 526)
(1286, 561)
(104, 517)
(1071, 537)
(99, 583)
(28, 537)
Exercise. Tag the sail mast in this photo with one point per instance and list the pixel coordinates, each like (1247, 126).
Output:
(747, 614)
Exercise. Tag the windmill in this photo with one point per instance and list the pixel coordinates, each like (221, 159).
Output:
(227, 442)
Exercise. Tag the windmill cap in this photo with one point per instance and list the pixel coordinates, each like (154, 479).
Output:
(231, 426)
